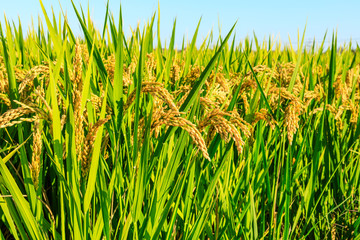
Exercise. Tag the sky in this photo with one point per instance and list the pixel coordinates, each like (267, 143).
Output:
(277, 19)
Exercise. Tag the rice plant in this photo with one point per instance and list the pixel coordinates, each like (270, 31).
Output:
(118, 137)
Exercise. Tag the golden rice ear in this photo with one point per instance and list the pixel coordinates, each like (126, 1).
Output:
(12, 114)
(85, 53)
(36, 154)
(208, 103)
(26, 83)
(89, 144)
(5, 99)
(175, 73)
(291, 120)
(241, 124)
(263, 114)
(172, 118)
(77, 96)
(150, 63)
(109, 64)
(4, 87)
(217, 77)
(77, 63)
(155, 89)
(224, 127)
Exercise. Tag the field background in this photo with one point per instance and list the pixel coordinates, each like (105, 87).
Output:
(114, 136)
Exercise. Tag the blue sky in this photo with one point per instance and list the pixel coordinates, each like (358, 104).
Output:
(279, 19)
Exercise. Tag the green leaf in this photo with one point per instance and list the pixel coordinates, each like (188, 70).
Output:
(22, 205)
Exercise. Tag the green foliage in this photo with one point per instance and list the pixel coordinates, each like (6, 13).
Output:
(281, 128)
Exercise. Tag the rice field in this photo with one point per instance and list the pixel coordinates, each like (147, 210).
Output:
(108, 136)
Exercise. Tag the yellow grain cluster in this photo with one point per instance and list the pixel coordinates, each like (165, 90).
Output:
(172, 118)
(109, 64)
(155, 89)
(77, 96)
(218, 122)
(89, 144)
(36, 154)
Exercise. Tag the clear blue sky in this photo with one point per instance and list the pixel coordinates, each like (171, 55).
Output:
(279, 19)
